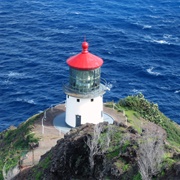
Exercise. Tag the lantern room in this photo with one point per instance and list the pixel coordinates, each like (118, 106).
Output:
(84, 81)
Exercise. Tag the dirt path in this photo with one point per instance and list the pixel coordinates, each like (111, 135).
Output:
(47, 133)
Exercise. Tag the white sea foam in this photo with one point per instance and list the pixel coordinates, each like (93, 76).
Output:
(75, 12)
(12, 74)
(29, 101)
(177, 91)
(161, 42)
(167, 36)
(137, 91)
(147, 27)
(73, 53)
(109, 86)
(171, 39)
(164, 88)
(150, 71)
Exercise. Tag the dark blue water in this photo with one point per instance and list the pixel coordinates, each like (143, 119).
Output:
(138, 40)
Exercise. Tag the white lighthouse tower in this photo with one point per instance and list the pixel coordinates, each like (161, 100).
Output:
(84, 92)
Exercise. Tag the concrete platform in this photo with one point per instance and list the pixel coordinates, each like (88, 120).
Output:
(60, 124)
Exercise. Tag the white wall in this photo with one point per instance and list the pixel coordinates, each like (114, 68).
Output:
(89, 111)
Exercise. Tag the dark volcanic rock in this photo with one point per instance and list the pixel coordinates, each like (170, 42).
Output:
(132, 130)
(177, 168)
(173, 173)
(120, 124)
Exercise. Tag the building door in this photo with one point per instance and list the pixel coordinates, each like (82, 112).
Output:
(78, 120)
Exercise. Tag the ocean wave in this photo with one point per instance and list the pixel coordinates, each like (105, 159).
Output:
(147, 27)
(137, 91)
(29, 101)
(167, 36)
(75, 12)
(177, 92)
(171, 39)
(16, 75)
(166, 39)
(166, 88)
(150, 71)
(8, 77)
(161, 42)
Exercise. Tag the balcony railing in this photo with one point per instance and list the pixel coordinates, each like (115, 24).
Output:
(86, 93)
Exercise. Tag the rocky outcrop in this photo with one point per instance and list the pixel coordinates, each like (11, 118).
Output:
(69, 159)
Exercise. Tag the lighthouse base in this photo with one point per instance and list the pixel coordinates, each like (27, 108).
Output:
(81, 111)
(60, 124)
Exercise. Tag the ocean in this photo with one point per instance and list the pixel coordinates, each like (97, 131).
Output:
(139, 42)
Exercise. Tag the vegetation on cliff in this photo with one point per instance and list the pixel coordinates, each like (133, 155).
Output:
(151, 112)
(15, 143)
(106, 151)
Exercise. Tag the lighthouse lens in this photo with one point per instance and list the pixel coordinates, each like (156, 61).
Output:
(84, 81)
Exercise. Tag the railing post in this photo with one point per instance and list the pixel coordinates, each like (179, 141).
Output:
(123, 113)
(126, 120)
(42, 126)
(4, 170)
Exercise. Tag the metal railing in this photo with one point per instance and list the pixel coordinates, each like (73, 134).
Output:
(45, 114)
(89, 92)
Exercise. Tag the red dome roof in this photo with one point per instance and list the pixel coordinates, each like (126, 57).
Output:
(85, 60)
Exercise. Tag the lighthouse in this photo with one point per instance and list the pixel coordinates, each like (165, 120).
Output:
(85, 89)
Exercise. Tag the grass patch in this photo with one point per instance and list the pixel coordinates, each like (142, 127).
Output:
(14, 142)
(113, 154)
(122, 165)
(125, 145)
(134, 120)
(38, 175)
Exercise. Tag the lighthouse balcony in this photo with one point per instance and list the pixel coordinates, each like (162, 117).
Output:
(85, 90)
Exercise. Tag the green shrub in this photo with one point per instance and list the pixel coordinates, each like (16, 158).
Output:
(125, 145)
(137, 177)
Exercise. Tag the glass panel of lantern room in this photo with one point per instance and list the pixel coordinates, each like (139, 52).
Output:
(84, 81)
(96, 78)
(72, 78)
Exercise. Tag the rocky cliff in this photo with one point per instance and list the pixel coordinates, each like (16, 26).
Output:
(102, 152)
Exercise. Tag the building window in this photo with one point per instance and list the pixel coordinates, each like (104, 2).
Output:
(92, 100)
(101, 113)
(78, 100)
